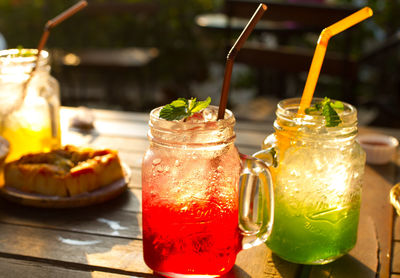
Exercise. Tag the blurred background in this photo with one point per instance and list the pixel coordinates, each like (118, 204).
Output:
(136, 55)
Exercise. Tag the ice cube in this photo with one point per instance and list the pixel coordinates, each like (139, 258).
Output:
(206, 115)
(210, 115)
(196, 118)
(308, 172)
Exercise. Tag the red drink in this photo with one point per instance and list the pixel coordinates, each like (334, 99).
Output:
(190, 213)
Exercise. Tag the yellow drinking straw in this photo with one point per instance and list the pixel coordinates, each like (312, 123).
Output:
(320, 51)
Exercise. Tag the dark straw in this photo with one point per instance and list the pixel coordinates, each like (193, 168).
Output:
(232, 55)
(50, 24)
(54, 22)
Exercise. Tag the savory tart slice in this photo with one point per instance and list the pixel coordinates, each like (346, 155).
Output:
(64, 172)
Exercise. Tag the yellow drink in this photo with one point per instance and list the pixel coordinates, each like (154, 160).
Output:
(29, 108)
(25, 140)
(29, 129)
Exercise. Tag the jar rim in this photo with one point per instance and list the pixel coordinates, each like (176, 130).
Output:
(8, 57)
(179, 126)
(207, 134)
(288, 108)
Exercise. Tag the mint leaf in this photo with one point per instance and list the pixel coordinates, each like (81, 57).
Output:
(312, 110)
(328, 109)
(180, 102)
(200, 105)
(337, 105)
(22, 53)
(192, 103)
(331, 116)
(182, 108)
(171, 113)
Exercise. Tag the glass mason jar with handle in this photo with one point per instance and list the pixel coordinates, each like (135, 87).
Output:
(317, 173)
(30, 104)
(194, 222)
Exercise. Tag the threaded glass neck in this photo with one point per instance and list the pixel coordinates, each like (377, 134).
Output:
(180, 133)
(16, 61)
(314, 126)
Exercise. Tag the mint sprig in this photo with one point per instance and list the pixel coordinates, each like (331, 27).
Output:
(329, 109)
(183, 108)
(22, 53)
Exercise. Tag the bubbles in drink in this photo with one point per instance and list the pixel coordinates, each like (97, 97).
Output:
(318, 197)
(191, 217)
(313, 169)
(159, 169)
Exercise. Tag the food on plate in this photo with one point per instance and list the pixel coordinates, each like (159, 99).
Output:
(68, 171)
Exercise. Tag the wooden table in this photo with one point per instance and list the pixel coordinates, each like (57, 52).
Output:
(105, 240)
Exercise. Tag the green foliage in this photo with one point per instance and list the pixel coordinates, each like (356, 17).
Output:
(385, 13)
(171, 30)
(328, 109)
(383, 23)
(21, 22)
(183, 108)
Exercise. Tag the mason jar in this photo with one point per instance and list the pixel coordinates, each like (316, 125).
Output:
(198, 197)
(317, 173)
(29, 103)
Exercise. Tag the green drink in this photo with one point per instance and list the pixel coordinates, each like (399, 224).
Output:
(301, 239)
(317, 178)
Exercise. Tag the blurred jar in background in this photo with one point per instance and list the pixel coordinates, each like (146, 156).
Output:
(29, 106)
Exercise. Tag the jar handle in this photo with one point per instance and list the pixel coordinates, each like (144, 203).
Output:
(256, 201)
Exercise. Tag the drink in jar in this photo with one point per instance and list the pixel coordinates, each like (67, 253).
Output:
(29, 117)
(317, 181)
(190, 192)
